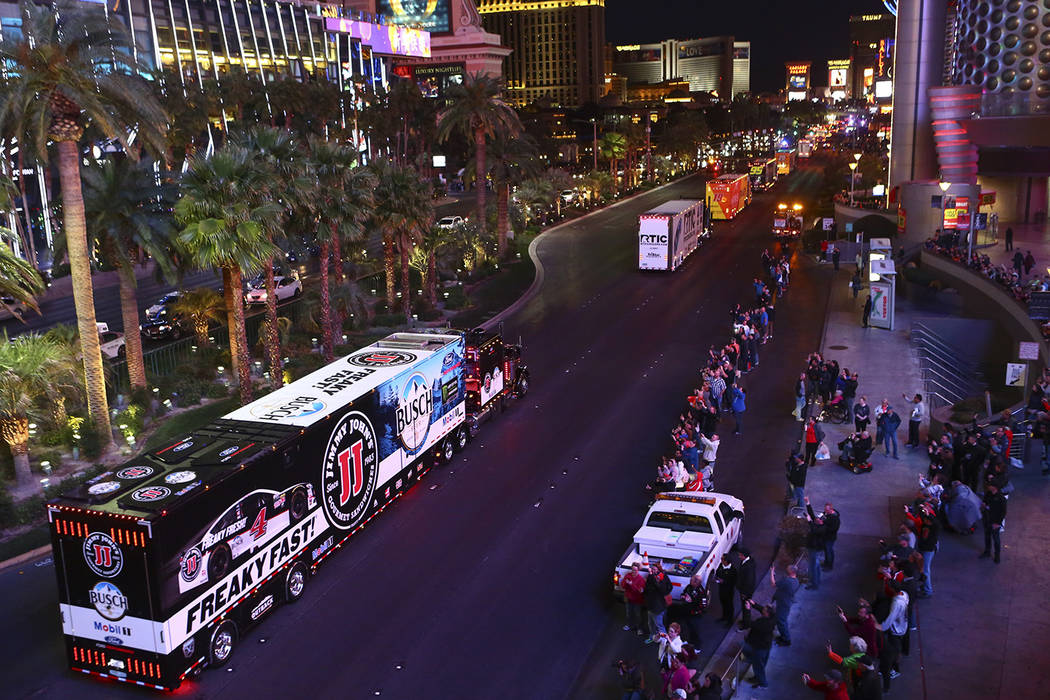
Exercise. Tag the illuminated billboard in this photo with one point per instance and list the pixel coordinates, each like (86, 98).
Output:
(390, 39)
(797, 82)
(884, 89)
(432, 15)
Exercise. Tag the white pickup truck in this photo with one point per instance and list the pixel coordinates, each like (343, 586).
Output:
(687, 533)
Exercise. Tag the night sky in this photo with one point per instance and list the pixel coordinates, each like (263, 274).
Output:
(779, 31)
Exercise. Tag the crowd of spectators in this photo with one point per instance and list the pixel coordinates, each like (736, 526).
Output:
(1017, 279)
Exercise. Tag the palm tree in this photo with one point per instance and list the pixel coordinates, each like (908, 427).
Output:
(129, 221)
(339, 204)
(535, 195)
(225, 228)
(612, 146)
(510, 162)
(200, 307)
(279, 161)
(424, 258)
(477, 111)
(404, 211)
(33, 369)
(19, 280)
(62, 77)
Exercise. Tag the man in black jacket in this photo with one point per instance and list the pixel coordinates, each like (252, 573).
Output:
(657, 587)
(993, 512)
(725, 577)
(869, 685)
(831, 533)
(745, 584)
(759, 641)
(814, 546)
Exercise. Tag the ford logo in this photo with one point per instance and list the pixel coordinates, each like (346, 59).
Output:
(114, 640)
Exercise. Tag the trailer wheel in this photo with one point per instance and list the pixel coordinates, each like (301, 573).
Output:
(295, 582)
(297, 505)
(461, 438)
(448, 450)
(219, 562)
(220, 647)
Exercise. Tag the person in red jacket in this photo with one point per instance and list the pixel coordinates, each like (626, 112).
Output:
(633, 585)
(832, 686)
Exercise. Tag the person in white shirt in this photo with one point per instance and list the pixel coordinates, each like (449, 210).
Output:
(895, 627)
(707, 473)
(918, 413)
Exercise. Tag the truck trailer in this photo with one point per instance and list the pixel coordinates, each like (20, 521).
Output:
(728, 194)
(164, 562)
(787, 161)
(763, 172)
(668, 234)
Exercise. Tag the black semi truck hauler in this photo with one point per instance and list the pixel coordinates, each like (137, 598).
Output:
(166, 560)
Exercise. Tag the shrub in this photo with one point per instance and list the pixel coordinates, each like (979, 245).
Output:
(425, 310)
(132, 419)
(457, 298)
(53, 457)
(90, 445)
(217, 391)
(388, 320)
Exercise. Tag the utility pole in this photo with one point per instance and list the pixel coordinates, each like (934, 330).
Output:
(594, 123)
(648, 148)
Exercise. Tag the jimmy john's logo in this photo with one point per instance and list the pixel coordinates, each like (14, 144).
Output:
(296, 407)
(414, 408)
(382, 358)
(139, 472)
(102, 555)
(151, 494)
(350, 470)
(108, 601)
(190, 564)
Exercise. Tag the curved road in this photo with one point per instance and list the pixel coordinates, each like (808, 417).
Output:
(492, 579)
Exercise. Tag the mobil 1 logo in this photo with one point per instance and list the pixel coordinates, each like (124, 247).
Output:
(350, 470)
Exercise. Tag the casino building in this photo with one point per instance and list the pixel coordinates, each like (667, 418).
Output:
(718, 65)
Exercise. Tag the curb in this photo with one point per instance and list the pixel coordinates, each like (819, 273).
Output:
(24, 557)
(537, 282)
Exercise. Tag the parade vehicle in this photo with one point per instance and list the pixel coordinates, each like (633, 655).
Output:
(763, 173)
(805, 148)
(787, 221)
(670, 233)
(164, 562)
(787, 161)
(686, 532)
(728, 194)
(111, 343)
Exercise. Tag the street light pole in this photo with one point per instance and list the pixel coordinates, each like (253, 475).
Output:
(594, 123)
(852, 180)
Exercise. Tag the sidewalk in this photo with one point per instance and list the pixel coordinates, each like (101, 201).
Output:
(982, 633)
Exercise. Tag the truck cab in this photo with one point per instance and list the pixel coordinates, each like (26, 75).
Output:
(686, 533)
(494, 372)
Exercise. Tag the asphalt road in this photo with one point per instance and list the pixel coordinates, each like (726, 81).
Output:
(493, 578)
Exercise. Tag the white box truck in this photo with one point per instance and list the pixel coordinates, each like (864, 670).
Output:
(668, 234)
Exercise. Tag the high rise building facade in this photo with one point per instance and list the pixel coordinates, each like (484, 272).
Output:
(717, 65)
(556, 48)
(871, 40)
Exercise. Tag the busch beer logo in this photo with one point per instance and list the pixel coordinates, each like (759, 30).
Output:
(102, 555)
(180, 477)
(350, 470)
(382, 358)
(103, 487)
(151, 493)
(140, 472)
(108, 601)
(292, 408)
(414, 410)
(190, 565)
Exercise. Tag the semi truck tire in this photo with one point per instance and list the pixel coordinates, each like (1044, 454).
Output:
(448, 450)
(295, 582)
(462, 437)
(220, 645)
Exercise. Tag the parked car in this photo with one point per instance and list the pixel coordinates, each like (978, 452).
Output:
(112, 342)
(450, 221)
(285, 288)
(10, 308)
(568, 196)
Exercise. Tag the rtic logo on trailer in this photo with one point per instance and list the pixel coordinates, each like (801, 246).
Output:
(102, 555)
(350, 470)
(414, 410)
(382, 358)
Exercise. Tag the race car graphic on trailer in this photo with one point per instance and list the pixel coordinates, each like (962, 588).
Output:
(247, 526)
